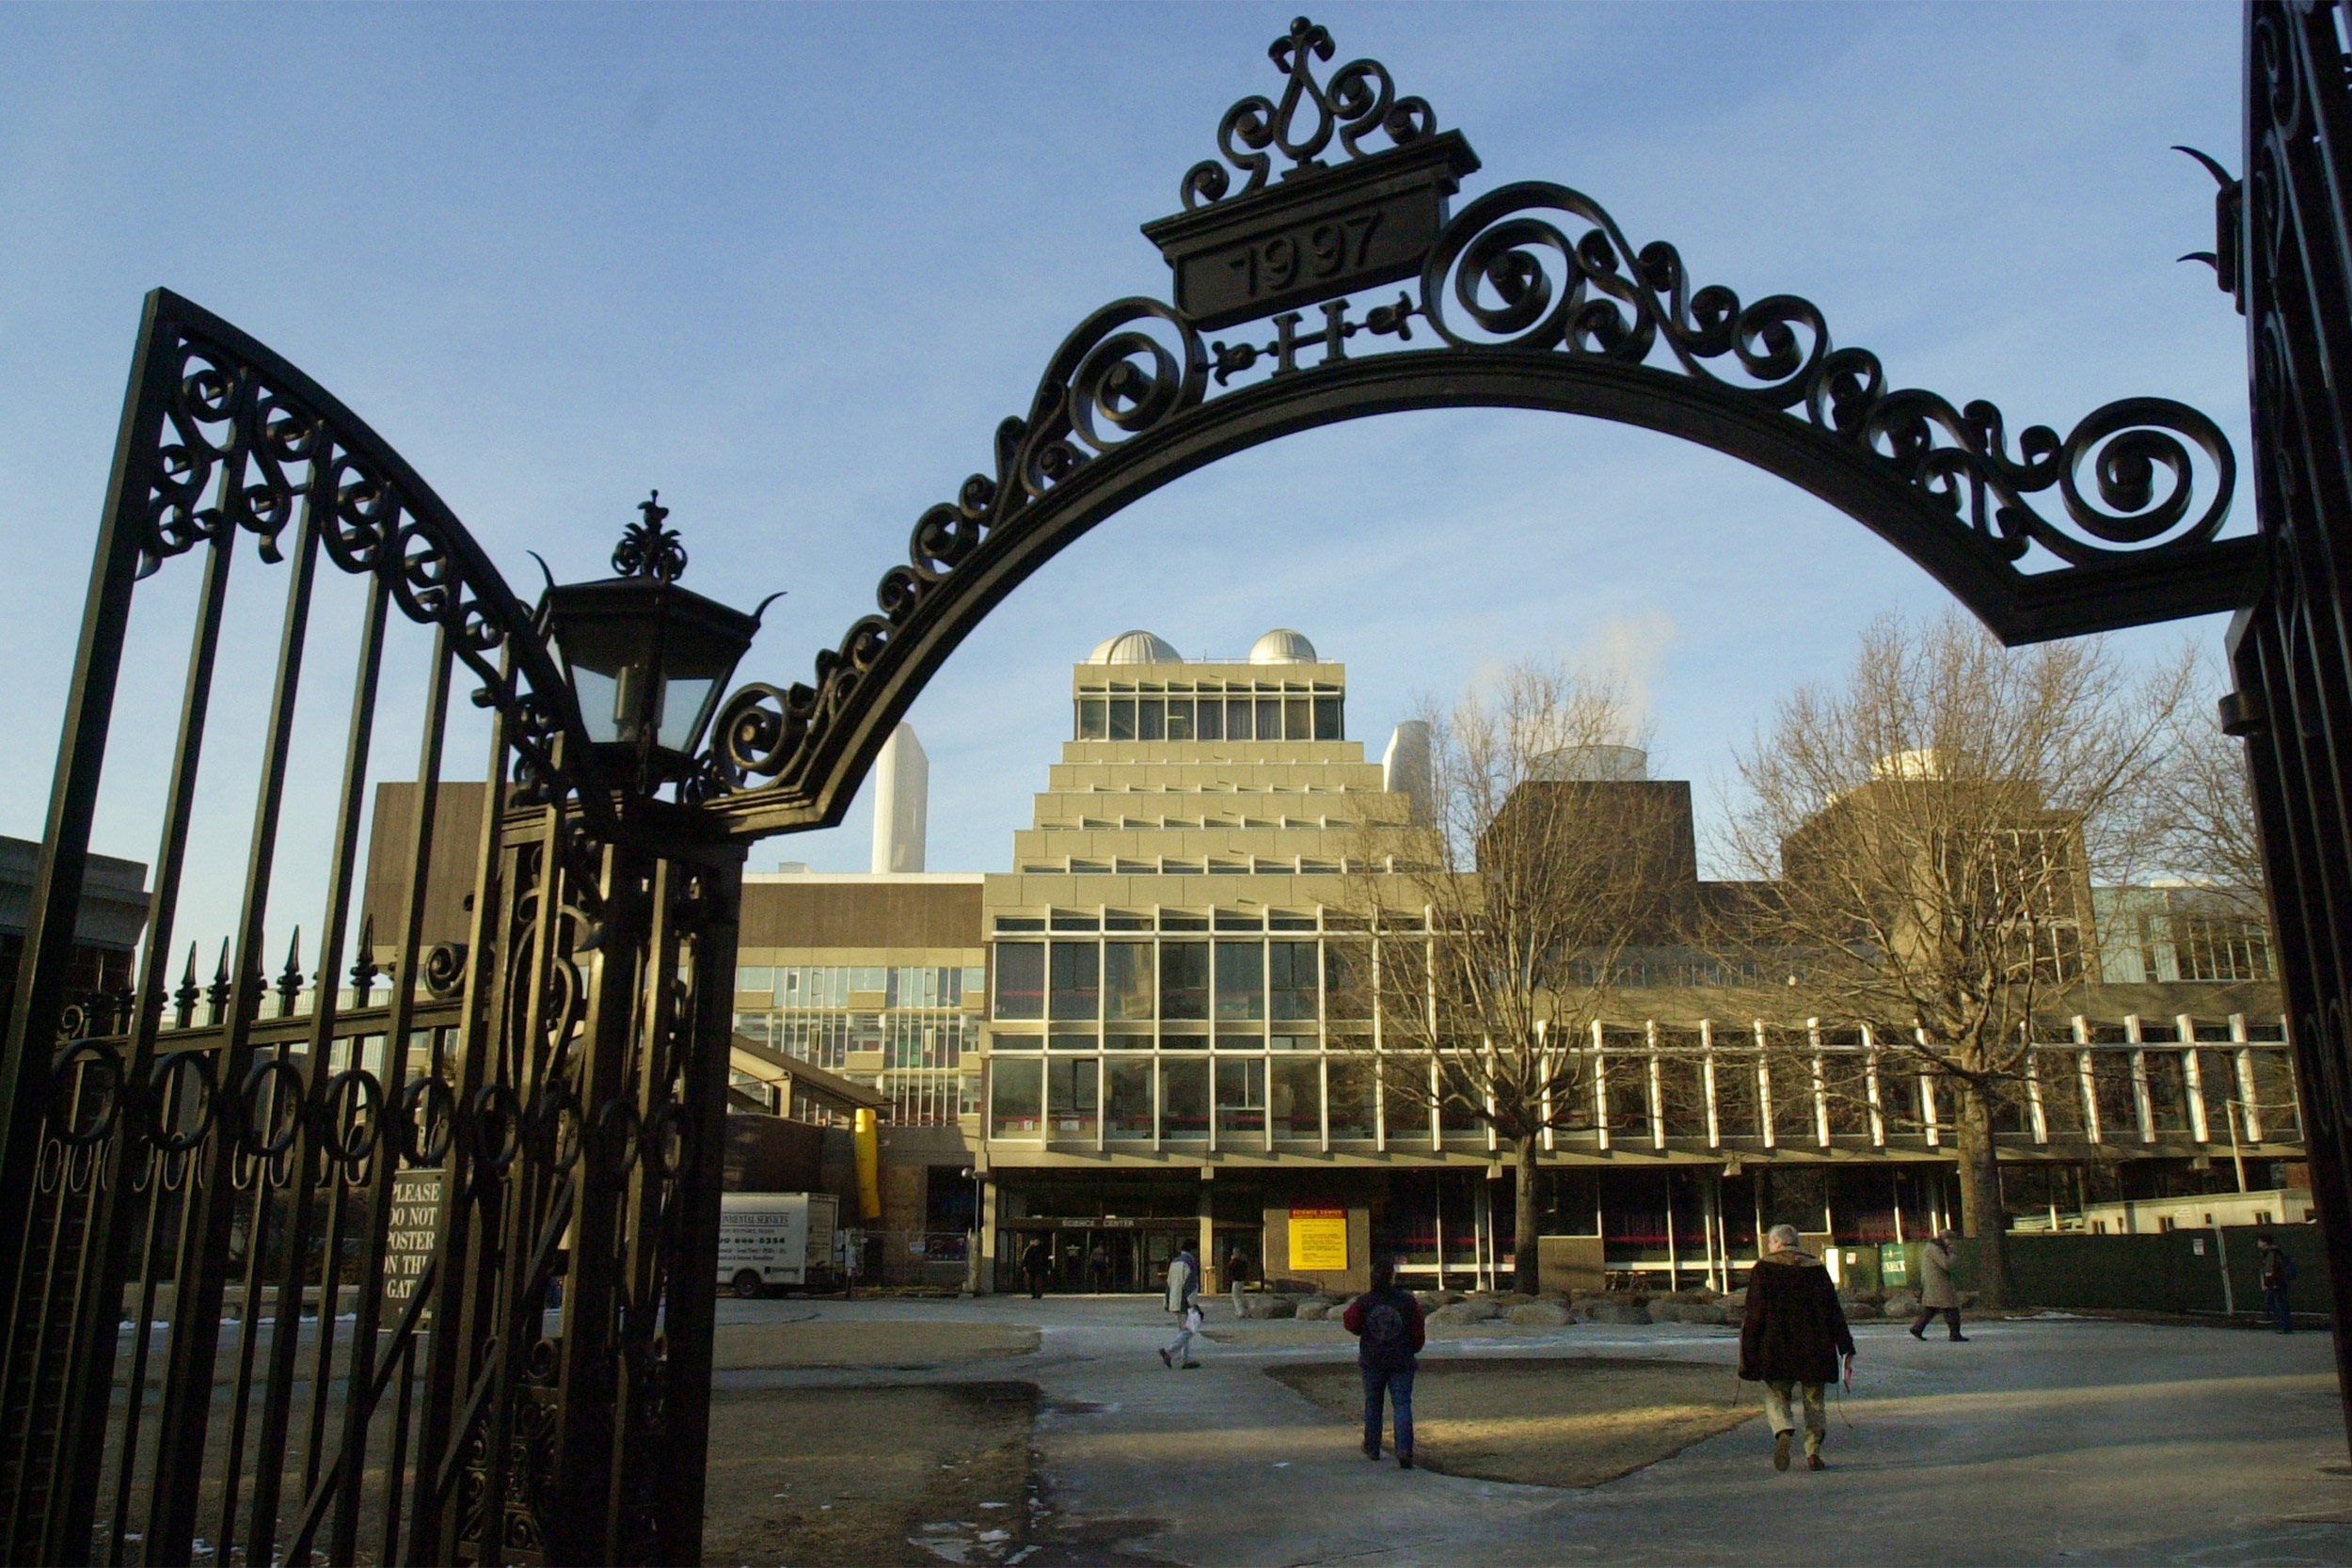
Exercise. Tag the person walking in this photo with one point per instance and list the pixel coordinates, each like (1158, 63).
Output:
(1034, 1262)
(2278, 1272)
(1237, 1271)
(1177, 1353)
(1390, 1332)
(1183, 1280)
(1789, 1340)
(1936, 1290)
(1098, 1268)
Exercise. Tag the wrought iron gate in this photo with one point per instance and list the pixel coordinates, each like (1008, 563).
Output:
(203, 1359)
(2287, 251)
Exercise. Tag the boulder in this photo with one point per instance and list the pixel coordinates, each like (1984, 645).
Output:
(1611, 1310)
(1732, 1299)
(1858, 1308)
(1672, 1311)
(1900, 1304)
(1312, 1311)
(1428, 1299)
(1269, 1306)
(1464, 1312)
(1540, 1314)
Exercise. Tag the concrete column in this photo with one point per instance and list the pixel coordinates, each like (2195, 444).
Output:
(985, 1283)
(902, 778)
(1212, 1267)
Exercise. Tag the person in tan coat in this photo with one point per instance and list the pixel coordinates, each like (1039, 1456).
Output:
(1936, 1291)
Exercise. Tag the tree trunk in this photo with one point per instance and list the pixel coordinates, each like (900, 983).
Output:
(1529, 1217)
(1981, 1214)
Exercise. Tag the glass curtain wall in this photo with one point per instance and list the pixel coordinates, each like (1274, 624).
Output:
(1243, 1031)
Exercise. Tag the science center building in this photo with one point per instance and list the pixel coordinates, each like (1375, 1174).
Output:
(1163, 1051)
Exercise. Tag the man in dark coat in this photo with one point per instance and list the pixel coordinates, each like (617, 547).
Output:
(1790, 1337)
(1390, 1332)
(1035, 1264)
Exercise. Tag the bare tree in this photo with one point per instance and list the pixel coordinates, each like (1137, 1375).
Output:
(1501, 911)
(2201, 826)
(1921, 841)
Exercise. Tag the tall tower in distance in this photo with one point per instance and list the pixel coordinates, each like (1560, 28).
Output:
(902, 784)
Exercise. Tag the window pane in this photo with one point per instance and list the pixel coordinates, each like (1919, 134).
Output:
(1180, 719)
(1151, 718)
(1295, 1098)
(1351, 1096)
(1093, 719)
(1072, 1087)
(2167, 1091)
(1127, 1088)
(2061, 1075)
(866, 977)
(1328, 719)
(2274, 1094)
(1240, 981)
(1238, 726)
(1183, 980)
(1185, 1098)
(2111, 1083)
(1016, 1092)
(1212, 720)
(1735, 1095)
(1292, 979)
(1016, 1042)
(1122, 718)
(1269, 718)
(1347, 979)
(756, 977)
(1240, 1098)
(1019, 979)
(1078, 979)
(1297, 722)
(1127, 980)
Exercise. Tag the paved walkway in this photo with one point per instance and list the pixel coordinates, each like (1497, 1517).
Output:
(2051, 1441)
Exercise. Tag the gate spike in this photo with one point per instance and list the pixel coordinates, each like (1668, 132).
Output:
(217, 993)
(363, 970)
(290, 979)
(183, 999)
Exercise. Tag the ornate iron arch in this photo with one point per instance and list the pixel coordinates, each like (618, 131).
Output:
(1531, 296)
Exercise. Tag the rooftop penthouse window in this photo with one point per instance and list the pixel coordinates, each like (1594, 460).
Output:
(1263, 711)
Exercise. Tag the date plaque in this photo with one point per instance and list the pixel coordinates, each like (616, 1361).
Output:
(1313, 234)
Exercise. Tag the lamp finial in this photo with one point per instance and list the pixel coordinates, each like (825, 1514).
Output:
(647, 549)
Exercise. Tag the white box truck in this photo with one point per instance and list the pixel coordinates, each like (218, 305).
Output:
(776, 1239)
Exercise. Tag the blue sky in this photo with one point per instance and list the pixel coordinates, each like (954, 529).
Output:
(792, 265)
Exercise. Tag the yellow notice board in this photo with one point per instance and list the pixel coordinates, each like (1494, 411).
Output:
(1319, 1240)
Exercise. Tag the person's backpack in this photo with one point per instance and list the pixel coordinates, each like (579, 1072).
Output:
(1384, 1325)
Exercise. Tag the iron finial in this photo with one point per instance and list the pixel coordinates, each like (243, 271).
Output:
(647, 549)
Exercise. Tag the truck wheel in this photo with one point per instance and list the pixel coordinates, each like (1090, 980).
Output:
(748, 1285)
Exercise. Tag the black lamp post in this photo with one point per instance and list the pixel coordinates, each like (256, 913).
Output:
(647, 661)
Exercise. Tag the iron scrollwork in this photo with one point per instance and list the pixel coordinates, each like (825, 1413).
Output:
(1127, 370)
(1534, 291)
(247, 440)
(1510, 267)
(1360, 99)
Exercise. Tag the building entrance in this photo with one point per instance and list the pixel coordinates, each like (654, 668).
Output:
(1097, 1256)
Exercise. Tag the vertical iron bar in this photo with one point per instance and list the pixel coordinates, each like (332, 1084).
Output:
(55, 905)
(356, 1412)
(461, 1258)
(693, 1289)
(350, 805)
(196, 1330)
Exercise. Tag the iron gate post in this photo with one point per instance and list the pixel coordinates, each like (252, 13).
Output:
(2291, 651)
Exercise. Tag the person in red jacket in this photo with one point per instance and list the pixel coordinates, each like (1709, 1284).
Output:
(1388, 1331)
